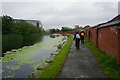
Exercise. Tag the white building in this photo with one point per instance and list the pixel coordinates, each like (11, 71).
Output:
(34, 22)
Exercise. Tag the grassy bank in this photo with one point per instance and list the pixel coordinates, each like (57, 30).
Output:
(109, 64)
(55, 67)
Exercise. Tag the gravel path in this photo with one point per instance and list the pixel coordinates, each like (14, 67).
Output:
(81, 64)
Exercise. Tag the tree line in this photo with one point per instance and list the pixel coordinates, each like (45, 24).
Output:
(9, 26)
(63, 29)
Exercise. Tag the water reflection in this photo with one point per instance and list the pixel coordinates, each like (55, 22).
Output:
(9, 43)
(54, 35)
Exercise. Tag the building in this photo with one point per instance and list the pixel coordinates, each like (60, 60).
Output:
(91, 33)
(86, 27)
(107, 37)
(34, 22)
(78, 29)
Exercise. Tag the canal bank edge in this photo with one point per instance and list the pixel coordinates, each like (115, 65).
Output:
(48, 60)
(53, 70)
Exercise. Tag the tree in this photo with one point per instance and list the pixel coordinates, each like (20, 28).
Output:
(7, 24)
(64, 29)
(57, 30)
(52, 30)
(19, 27)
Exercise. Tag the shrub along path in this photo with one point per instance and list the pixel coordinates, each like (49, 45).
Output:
(81, 64)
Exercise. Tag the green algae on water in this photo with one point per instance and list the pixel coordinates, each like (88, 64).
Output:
(12, 67)
(25, 55)
(1, 71)
(9, 77)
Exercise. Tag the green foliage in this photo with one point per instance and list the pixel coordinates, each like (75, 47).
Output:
(18, 27)
(54, 30)
(109, 64)
(25, 28)
(57, 30)
(55, 67)
(64, 29)
(7, 24)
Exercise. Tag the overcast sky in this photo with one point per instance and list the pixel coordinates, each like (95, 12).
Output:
(58, 14)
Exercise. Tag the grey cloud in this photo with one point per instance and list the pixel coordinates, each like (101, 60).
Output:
(56, 15)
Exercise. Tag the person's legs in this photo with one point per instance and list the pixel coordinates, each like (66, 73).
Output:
(83, 39)
(78, 43)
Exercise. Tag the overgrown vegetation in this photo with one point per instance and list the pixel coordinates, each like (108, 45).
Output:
(109, 64)
(55, 67)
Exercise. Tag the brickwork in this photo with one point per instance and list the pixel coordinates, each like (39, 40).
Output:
(93, 35)
(107, 39)
(118, 46)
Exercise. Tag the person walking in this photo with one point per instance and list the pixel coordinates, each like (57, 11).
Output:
(82, 34)
(77, 40)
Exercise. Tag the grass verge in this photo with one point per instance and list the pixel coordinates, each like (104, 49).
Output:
(109, 64)
(55, 67)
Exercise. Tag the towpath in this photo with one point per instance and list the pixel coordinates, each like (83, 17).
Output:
(81, 64)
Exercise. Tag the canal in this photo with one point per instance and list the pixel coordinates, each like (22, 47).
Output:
(19, 63)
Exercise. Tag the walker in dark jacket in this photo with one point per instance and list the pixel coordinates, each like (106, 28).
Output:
(82, 37)
(77, 40)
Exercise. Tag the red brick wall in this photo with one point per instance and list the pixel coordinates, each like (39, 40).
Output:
(87, 34)
(93, 35)
(118, 46)
(108, 40)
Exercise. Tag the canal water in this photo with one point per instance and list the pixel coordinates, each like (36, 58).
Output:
(19, 63)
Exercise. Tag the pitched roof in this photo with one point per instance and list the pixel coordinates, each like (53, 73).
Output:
(114, 21)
